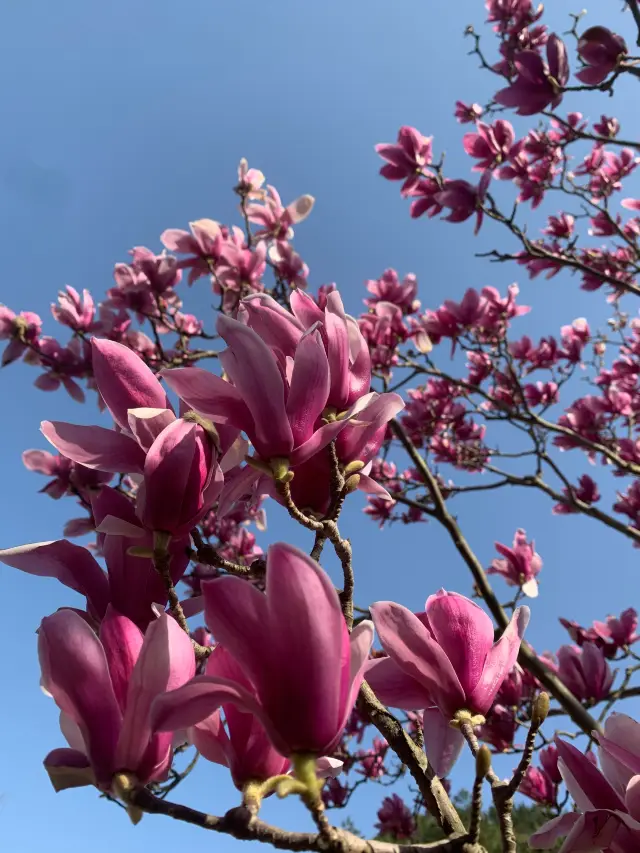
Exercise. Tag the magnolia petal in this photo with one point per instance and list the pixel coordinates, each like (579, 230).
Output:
(68, 768)
(442, 743)
(95, 447)
(407, 641)
(71, 564)
(124, 380)
(393, 686)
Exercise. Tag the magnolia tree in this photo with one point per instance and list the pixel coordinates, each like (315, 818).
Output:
(290, 397)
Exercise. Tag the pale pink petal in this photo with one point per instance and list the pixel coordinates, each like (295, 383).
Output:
(394, 687)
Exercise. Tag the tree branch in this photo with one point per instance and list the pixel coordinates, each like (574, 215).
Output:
(527, 657)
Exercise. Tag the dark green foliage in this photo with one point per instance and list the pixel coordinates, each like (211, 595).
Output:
(527, 818)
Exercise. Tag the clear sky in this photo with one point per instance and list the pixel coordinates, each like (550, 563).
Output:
(121, 119)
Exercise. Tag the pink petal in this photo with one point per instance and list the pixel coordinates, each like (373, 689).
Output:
(584, 781)
(71, 564)
(500, 661)
(407, 641)
(68, 768)
(121, 640)
(394, 687)
(208, 394)
(95, 447)
(442, 743)
(147, 424)
(558, 827)
(197, 700)
(124, 380)
(464, 632)
(166, 662)
(252, 368)
(75, 672)
(309, 386)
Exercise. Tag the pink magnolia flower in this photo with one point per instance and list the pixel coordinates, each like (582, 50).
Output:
(539, 83)
(21, 330)
(303, 692)
(463, 199)
(395, 818)
(445, 656)
(249, 181)
(561, 226)
(281, 414)
(499, 728)
(490, 145)
(425, 193)
(601, 51)
(275, 219)
(519, 565)
(389, 288)
(585, 671)
(68, 477)
(162, 272)
(608, 816)
(202, 245)
(549, 762)
(288, 265)
(406, 159)
(243, 745)
(467, 113)
(104, 687)
(586, 491)
(177, 457)
(607, 126)
(620, 631)
(538, 786)
(74, 310)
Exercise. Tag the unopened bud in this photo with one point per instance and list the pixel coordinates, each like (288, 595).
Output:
(280, 469)
(540, 709)
(483, 761)
(259, 465)
(353, 467)
(352, 483)
(139, 551)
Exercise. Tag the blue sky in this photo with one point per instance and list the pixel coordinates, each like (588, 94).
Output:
(123, 119)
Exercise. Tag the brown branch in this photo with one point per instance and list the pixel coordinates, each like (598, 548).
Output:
(436, 798)
(240, 823)
(527, 657)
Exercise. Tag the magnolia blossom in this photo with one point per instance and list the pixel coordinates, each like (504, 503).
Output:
(539, 83)
(519, 565)
(177, 457)
(301, 692)
(444, 657)
(104, 687)
(608, 816)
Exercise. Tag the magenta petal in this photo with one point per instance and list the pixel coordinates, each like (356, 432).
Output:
(68, 768)
(318, 441)
(360, 642)
(558, 827)
(585, 783)
(71, 564)
(147, 424)
(196, 701)
(407, 641)
(305, 309)
(169, 481)
(124, 380)
(95, 447)
(394, 687)
(465, 633)
(442, 743)
(302, 603)
(75, 672)
(208, 394)
(121, 640)
(499, 662)
(309, 386)
(166, 662)
(252, 368)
